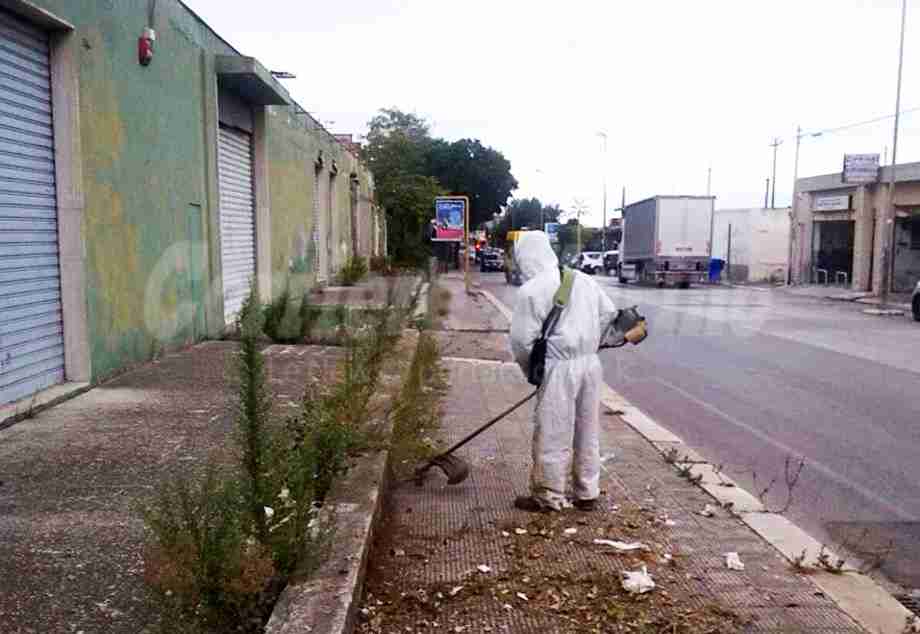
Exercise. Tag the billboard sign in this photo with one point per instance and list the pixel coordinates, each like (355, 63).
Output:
(450, 218)
(552, 231)
(860, 168)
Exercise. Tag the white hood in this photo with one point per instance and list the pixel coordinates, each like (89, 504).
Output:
(534, 255)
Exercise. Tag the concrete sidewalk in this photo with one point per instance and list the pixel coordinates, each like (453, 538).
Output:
(462, 559)
(71, 479)
(899, 301)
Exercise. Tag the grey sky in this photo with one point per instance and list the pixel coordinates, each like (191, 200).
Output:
(677, 85)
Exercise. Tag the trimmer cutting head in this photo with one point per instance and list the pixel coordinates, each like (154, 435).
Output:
(455, 468)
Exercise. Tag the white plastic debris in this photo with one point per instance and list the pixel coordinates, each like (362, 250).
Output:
(913, 624)
(506, 534)
(733, 561)
(522, 596)
(670, 523)
(455, 590)
(520, 531)
(399, 552)
(622, 546)
(570, 531)
(638, 581)
(285, 494)
(484, 569)
(707, 511)
(269, 512)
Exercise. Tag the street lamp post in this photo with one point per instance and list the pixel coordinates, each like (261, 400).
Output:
(888, 234)
(603, 135)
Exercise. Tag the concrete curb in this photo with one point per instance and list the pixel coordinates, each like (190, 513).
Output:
(13, 413)
(856, 594)
(327, 602)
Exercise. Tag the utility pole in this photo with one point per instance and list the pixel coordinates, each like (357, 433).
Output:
(766, 196)
(776, 143)
(890, 215)
(795, 198)
(603, 135)
(709, 182)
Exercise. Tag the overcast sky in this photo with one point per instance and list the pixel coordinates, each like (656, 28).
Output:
(678, 86)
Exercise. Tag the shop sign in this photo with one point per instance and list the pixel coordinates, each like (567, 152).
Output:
(832, 203)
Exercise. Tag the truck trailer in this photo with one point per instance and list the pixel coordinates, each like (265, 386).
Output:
(667, 240)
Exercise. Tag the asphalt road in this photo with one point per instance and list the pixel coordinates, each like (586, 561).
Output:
(750, 378)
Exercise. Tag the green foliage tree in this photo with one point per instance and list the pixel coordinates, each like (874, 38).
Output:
(467, 167)
(411, 168)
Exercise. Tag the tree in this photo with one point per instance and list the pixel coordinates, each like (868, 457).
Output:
(527, 212)
(467, 167)
(411, 168)
(396, 152)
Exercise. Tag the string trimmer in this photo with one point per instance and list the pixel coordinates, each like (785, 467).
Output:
(454, 467)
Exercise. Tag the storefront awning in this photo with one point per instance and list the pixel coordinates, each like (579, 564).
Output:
(250, 80)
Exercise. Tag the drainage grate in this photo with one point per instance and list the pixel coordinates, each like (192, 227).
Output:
(910, 601)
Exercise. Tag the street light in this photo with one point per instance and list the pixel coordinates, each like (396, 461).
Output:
(795, 193)
(603, 135)
(542, 221)
(888, 234)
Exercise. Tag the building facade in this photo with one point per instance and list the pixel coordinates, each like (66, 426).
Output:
(138, 201)
(758, 247)
(837, 235)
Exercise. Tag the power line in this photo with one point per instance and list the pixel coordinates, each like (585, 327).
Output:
(857, 124)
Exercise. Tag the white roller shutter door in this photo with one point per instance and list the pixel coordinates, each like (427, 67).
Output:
(31, 325)
(237, 218)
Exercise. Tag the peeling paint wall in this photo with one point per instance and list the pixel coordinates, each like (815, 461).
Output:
(149, 177)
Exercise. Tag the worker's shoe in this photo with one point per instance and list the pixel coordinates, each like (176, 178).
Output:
(585, 505)
(530, 504)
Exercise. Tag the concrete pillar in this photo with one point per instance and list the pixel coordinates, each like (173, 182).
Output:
(878, 257)
(863, 239)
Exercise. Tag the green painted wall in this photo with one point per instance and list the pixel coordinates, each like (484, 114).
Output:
(150, 183)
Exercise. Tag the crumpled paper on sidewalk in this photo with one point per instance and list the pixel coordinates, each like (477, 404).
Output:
(622, 546)
(733, 561)
(638, 581)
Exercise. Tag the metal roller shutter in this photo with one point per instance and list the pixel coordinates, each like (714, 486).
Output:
(31, 324)
(237, 218)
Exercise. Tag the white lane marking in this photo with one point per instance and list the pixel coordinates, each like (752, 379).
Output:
(817, 466)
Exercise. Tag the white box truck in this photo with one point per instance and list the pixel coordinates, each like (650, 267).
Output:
(667, 240)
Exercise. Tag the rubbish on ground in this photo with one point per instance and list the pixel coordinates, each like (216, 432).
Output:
(520, 531)
(637, 581)
(622, 546)
(269, 512)
(507, 606)
(455, 590)
(570, 531)
(506, 534)
(708, 511)
(484, 568)
(667, 558)
(399, 552)
(522, 596)
(670, 523)
(285, 494)
(733, 561)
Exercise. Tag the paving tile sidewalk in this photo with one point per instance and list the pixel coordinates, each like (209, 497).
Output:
(70, 535)
(425, 573)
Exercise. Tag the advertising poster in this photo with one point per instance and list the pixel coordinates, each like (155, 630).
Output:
(552, 231)
(450, 219)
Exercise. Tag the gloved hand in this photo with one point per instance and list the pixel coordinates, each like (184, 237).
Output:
(627, 327)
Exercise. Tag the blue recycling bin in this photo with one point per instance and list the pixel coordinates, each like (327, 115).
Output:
(715, 269)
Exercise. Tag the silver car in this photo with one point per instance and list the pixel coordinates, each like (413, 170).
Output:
(915, 302)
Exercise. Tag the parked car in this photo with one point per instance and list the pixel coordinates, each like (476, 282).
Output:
(915, 302)
(590, 262)
(611, 261)
(492, 260)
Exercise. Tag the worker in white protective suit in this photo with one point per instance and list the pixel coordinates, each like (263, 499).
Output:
(566, 417)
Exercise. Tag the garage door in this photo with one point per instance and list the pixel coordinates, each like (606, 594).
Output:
(237, 218)
(31, 326)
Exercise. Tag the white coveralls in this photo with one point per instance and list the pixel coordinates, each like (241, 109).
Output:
(567, 405)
